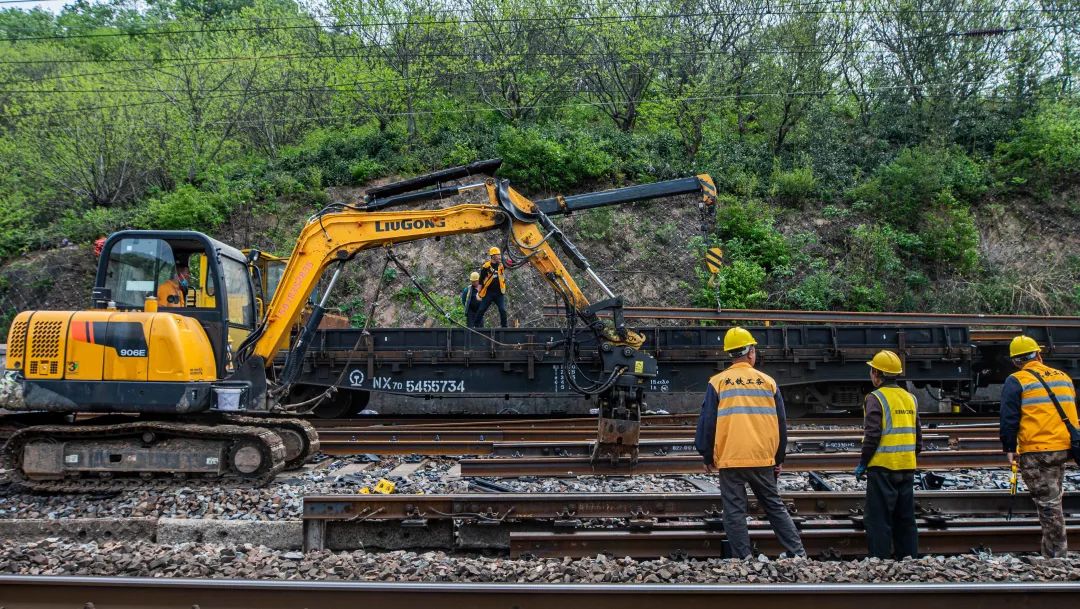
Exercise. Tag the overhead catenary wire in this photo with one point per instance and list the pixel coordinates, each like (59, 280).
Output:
(181, 31)
(472, 110)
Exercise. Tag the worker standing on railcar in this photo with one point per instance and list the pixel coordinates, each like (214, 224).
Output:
(470, 300)
(891, 440)
(1036, 402)
(492, 287)
(742, 432)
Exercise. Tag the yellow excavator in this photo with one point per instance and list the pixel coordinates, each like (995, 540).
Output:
(186, 388)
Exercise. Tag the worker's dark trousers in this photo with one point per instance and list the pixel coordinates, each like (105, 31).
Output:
(890, 513)
(762, 481)
(500, 301)
(472, 319)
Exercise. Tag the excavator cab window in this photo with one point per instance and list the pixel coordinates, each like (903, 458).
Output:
(142, 267)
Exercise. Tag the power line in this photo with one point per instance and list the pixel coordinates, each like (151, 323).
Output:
(777, 50)
(451, 22)
(415, 77)
(745, 95)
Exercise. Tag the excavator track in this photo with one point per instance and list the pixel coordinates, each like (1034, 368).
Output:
(300, 437)
(258, 448)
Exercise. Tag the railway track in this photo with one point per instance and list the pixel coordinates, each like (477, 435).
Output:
(498, 507)
(691, 464)
(823, 540)
(929, 420)
(654, 525)
(37, 592)
(568, 442)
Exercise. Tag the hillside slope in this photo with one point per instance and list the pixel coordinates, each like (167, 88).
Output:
(647, 252)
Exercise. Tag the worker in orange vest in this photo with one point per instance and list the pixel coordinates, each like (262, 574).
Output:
(1038, 420)
(742, 432)
(492, 287)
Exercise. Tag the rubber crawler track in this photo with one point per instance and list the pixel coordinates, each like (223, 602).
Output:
(271, 445)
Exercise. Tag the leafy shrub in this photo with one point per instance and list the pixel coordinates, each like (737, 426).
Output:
(365, 169)
(795, 187)
(747, 228)
(949, 236)
(1045, 149)
(596, 224)
(16, 224)
(93, 222)
(187, 208)
(535, 159)
(739, 285)
(901, 189)
(818, 291)
(644, 156)
(338, 152)
(874, 269)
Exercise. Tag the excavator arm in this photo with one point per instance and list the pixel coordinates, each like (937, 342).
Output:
(338, 234)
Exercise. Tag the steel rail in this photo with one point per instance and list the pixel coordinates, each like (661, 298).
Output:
(559, 434)
(818, 542)
(692, 464)
(664, 421)
(580, 445)
(488, 507)
(54, 592)
(842, 317)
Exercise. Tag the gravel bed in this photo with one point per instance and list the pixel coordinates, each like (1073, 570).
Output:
(282, 499)
(51, 557)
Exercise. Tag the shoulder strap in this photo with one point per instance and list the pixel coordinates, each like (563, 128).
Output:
(1053, 398)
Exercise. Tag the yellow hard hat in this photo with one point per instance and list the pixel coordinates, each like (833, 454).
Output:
(474, 276)
(1022, 345)
(494, 251)
(887, 362)
(737, 338)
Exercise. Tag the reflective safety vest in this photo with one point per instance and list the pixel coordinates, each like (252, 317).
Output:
(492, 272)
(170, 294)
(1041, 429)
(747, 432)
(898, 427)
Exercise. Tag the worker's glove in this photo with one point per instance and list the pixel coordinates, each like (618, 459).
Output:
(860, 472)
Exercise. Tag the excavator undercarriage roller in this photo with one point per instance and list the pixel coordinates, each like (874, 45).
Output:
(300, 437)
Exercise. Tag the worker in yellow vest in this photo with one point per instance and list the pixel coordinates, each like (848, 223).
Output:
(492, 287)
(1034, 434)
(742, 432)
(891, 440)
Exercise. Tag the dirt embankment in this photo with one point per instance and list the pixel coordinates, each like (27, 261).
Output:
(646, 252)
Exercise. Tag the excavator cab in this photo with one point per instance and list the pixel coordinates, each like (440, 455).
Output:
(189, 274)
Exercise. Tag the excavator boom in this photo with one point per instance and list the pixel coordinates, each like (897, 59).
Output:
(340, 233)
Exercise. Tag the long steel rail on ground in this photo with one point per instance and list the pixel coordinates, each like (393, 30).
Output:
(38, 592)
(692, 464)
(823, 542)
(653, 525)
(486, 444)
(576, 441)
(498, 507)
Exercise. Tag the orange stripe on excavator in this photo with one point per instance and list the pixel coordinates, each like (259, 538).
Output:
(78, 331)
(83, 331)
